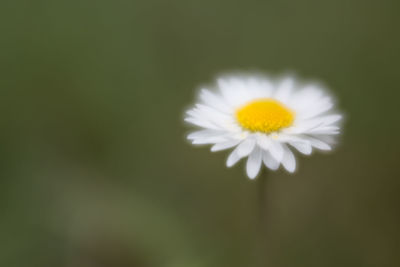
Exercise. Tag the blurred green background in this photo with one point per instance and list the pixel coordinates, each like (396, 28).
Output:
(95, 169)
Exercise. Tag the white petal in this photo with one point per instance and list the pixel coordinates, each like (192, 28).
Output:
(201, 123)
(310, 102)
(224, 145)
(264, 141)
(316, 126)
(329, 139)
(302, 99)
(260, 88)
(214, 101)
(329, 131)
(212, 115)
(233, 90)
(208, 140)
(329, 119)
(302, 126)
(301, 144)
(284, 90)
(276, 151)
(316, 109)
(318, 143)
(269, 161)
(253, 165)
(233, 158)
(246, 147)
(288, 161)
(204, 133)
(303, 147)
(212, 112)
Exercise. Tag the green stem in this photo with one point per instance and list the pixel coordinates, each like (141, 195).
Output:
(262, 216)
(262, 197)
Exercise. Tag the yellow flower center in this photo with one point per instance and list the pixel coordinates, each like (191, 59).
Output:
(264, 115)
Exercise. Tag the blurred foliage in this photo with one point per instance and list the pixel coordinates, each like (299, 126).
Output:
(94, 166)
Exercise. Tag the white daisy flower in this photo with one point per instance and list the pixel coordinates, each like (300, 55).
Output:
(264, 120)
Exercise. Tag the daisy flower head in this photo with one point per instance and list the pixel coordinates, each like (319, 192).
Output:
(264, 120)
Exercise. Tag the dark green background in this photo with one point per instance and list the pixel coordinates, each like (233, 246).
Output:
(95, 169)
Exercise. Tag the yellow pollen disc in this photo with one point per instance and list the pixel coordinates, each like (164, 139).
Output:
(264, 115)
